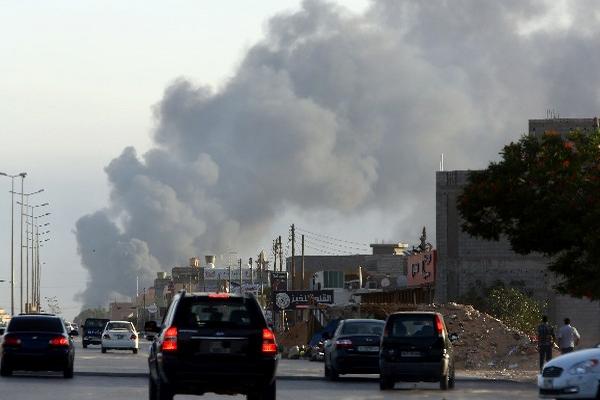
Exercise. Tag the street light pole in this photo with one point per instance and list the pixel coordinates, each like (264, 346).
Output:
(12, 237)
(22, 203)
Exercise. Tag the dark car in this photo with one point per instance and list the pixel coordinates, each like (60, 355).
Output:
(37, 342)
(213, 342)
(92, 331)
(354, 348)
(416, 347)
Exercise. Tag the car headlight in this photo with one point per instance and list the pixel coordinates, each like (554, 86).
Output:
(584, 367)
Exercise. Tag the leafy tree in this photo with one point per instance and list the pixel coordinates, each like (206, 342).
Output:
(515, 308)
(544, 197)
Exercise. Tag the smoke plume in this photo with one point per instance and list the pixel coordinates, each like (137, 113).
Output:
(341, 112)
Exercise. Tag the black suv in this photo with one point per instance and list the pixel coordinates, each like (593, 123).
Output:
(37, 342)
(92, 331)
(213, 342)
(416, 347)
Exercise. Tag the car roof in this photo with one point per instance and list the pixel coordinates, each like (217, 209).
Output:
(125, 322)
(35, 315)
(362, 320)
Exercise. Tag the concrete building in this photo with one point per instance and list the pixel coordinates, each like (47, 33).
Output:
(388, 261)
(465, 262)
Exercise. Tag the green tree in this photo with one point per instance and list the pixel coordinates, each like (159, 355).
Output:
(544, 197)
(515, 308)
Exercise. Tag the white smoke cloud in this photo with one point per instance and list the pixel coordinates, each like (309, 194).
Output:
(336, 111)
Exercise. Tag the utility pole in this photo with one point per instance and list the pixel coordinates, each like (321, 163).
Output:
(241, 280)
(251, 272)
(280, 255)
(302, 272)
(293, 233)
(275, 255)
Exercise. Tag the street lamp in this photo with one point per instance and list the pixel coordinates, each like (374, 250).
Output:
(12, 236)
(28, 298)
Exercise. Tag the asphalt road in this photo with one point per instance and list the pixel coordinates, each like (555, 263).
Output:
(53, 387)
(121, 375)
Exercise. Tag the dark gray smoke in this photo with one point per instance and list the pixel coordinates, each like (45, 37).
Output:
(335, 111)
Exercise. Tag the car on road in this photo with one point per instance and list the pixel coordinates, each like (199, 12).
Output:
(573, 375)
(37, 342)
(213, 342)
(354, 348)
(92, 331)
(120, 335)
(416, 347)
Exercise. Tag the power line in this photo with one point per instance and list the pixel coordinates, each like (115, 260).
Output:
(338, 244)
(331, 237)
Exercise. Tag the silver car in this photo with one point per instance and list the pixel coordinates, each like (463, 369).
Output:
(571, 376)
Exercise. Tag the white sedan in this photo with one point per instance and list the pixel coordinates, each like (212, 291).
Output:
(120, 335)
(574, 375)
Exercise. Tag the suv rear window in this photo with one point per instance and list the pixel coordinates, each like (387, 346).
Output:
(204, 312)
(362, 328)
(95, 323)
(33, 324)
(412, 326)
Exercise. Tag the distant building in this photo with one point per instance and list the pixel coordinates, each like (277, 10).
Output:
(122, 311)
(466, 263)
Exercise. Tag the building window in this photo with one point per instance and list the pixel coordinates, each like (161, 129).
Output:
(333, 279)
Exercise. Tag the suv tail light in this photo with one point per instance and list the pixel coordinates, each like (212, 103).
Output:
(343, 344)
(59, 341)
(439, 325)
(133, 337)
(106, 336)
(269, 346)
(169, 343)
(11, 341)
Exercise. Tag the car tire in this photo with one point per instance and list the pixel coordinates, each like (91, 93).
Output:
(68, 371)
(135, 351)
(84, 345)
(103, 350)
(268, 393)
(5, 369)
(385, 383)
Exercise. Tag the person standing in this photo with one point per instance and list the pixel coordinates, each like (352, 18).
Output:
(568, 337)
(546, 340)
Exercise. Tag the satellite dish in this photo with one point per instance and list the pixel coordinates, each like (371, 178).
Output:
(385, 282)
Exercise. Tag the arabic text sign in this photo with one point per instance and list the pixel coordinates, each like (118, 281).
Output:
(291, 299)
(421, 268)
(278, 280)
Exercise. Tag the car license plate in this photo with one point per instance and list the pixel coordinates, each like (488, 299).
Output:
(368, 348)
(548, 383)
(218, 348)
(410, 354)
(119, 336)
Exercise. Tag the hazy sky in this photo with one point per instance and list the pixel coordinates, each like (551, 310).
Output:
(385, 87)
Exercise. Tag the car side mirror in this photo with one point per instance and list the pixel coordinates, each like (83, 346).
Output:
(325, 336)
(453, 337)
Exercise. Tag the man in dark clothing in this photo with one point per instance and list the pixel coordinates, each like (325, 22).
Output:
(546, 340)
